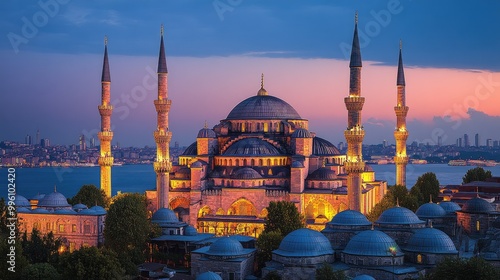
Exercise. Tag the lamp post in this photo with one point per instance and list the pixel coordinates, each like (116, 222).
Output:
(393, 251)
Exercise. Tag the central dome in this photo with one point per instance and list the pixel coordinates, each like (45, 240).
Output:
(263, 107)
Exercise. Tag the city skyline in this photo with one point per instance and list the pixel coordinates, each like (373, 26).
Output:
(451, 66)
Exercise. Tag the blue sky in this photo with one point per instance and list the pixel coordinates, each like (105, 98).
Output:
(52, 50)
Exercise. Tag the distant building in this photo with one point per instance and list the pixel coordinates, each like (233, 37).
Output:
(45, 142)
(476, 140)
(27, 140)
(82, 143)
(459, 142)
(466, 140)
(489, 143)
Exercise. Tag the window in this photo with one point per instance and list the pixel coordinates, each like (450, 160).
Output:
(419, 258)
(231, 275)
(48, 227)
(86, 228)
(61, 228)
(73, 228)
(478, 225)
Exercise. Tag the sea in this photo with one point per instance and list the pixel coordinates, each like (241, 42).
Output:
(139, 178)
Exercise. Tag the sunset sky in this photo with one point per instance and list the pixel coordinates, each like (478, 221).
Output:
(51, 55)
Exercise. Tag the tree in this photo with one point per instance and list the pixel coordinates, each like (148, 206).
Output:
(273, 275)
(476, 174)
(90, 263)
(266, 244)
(326, 272)
(41, 249)
(16, 255)
(457, 268)
(284, 217)
(127, 230)
(40, 271)
(90, 195)
(426, 186)
(395, 194)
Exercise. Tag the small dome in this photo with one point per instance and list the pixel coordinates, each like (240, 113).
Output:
(304, 242)
(431, 240)
(251, 147)
(323, 173)
(79, 206)
(322, 147)
(54, 200)
(39, 196)
(98, 209)
(450, 206)
(183, 173)
(197, 164)
(191, 150)
(371, 243)
(350, 218)
(23, 210)
(21, 201)
(190, 231)
(398, 216)
(225, 246)
(206, 133)
(301, 133)
(297, 164)
(430, 210)
(64, 212)
(263, 107)
(363, 277)
(246, 173)
(208, 276)
(477, 205)
(368, 168)
(88, 212)
(40, 211)
(164, 215)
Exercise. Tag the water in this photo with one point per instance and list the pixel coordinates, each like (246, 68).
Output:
(139, 178)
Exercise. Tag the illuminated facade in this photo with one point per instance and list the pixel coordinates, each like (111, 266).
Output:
(105, 135)
(162, 135)
(355, 133)
(401, 133)
(262, 152)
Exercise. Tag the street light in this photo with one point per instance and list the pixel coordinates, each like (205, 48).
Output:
(393, 251)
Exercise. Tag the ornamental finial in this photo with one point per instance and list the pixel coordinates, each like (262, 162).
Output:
(400, 44)
(206, 125)
(430, 198)
(161, 30)
(55, 188)
(262, 80)
(397, 201)
(356, 18)
(105, 40)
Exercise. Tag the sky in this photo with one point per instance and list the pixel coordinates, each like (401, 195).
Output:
(51, 61)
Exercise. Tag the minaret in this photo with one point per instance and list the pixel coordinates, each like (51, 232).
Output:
(162, 164)
(354, 133)
(401, 134)
(105, 135)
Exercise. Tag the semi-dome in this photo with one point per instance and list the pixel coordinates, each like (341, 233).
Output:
(225, 246)
(301, 133)
(372, 243)
(304, 242)
(399, 216)
(322, 147)
(350, 218)
(98, 209)
(450, 206)
(164, 215)
(183, 173)
(246, 173)
(206, 133)
(251, 147)
(368, 168)
(363, 277)
(209, 275)
(190, 231)
(54, 200)
(323, 173)
(79, 206)
(431, 240)
(477, 205)
(297, 164)
(430, 211)
(263, 107)
(191, 150)
(21, 201)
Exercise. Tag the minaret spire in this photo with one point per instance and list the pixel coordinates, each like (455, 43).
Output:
(162, 135)
(401, 133)
(105, 135)
(355, 134)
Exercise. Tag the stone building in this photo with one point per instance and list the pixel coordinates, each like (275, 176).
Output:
(226, 257)
(476, 216)
(429, 246)
(76, 226)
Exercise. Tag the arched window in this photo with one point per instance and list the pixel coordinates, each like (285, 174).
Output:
(478, 225)
(419, 258)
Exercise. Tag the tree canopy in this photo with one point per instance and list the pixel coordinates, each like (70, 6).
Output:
(127, 229)
(40, 271)
(266, 244)
(395, 195)
(41, 248)
(326, 272)
(90, 195)
(90, 263)
(284, 217)
(476, 174)
(458, 268)
(427, 186)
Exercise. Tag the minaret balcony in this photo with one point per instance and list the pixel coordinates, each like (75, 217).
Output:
(354, 166)
(401, 135)
(354, 103)
(354, 135)
(162, 136)
(401, 110)
(162, 166)
(400, 159)
(163, 105)
(106, 161)
(105, 110)
(105, 136)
